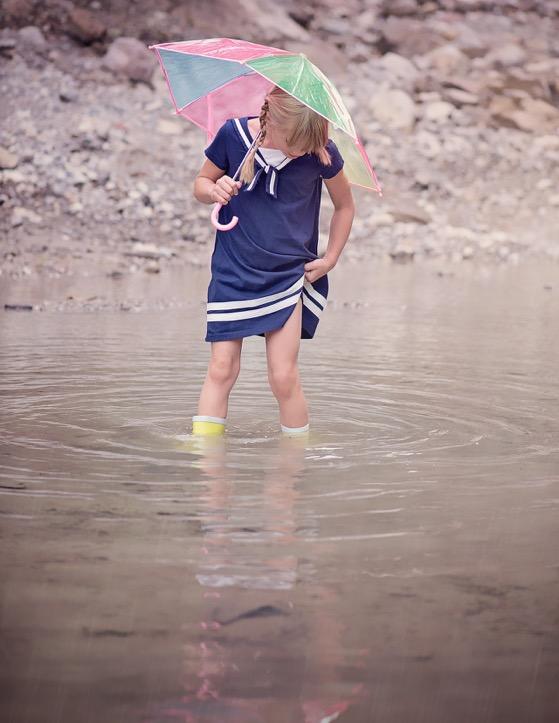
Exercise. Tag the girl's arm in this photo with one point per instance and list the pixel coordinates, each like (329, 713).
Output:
(211, 185)
(340, 226)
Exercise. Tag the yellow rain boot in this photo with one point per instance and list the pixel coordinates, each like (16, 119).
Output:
(205, 425)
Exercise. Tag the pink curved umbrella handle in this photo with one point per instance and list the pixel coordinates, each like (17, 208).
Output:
(222, 226)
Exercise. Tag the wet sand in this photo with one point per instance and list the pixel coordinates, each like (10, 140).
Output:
(400, 565)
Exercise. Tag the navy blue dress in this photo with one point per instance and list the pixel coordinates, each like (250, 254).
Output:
(258, 267)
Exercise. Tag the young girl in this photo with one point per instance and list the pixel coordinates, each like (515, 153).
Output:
(267, 278)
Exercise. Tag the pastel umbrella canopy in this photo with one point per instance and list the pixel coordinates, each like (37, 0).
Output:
(215, 79)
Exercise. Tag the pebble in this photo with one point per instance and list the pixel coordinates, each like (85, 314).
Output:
(18, 307)
(8, 160)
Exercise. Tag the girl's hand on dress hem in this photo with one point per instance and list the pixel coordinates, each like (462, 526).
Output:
(316, 268)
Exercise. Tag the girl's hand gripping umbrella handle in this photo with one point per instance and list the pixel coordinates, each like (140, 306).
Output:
(233, 222)
(222, 226)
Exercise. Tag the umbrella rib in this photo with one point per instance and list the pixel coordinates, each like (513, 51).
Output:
(301, 68)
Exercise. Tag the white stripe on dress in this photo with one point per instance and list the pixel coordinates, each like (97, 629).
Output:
(224, 305)
(250, 313)
(283, 163)
(316, 310)
(314, 293)
(246, 140)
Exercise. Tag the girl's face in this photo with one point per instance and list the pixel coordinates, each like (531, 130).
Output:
(278, 139)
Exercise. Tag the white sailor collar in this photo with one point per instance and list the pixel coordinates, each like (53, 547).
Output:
(270, 171)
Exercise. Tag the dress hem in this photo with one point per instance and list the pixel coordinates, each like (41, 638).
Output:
(231, 336)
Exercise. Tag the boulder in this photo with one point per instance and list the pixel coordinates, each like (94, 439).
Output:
(470, 42)
(17, 10)
(408, 36)
(394, 108)
(506, 56)
(84, 26)
(534, 85)
(32, 37)
(447, 59)
(399, 66)
(532, 116)
(130, 58)
(438, 111)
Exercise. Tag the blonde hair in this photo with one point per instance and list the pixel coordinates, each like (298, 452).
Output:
(308, 129)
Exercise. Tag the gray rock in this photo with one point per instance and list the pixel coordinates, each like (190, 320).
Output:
(8, 159)
(130, 58)
(533, 116)
(68, 96)
(32, 36)
(402, 253)
(506, 55)
(150, 251)
(447, 60)
(399, 66)
(333, 25)
(408, 213)
(7, 44)
(394, 108)
(18, 307)
(427, 144)
(470, 42)
(438, 112)
(459, 97)
(503, 252)
(85, 26)
(21, 215)
(400, 8)
(18, 10)
(409, 36)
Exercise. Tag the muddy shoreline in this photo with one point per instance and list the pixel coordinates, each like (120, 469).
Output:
(184, 287)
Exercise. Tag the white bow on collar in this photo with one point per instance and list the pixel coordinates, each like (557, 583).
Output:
(269, 170)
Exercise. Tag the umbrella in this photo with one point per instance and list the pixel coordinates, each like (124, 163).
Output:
(215, 79)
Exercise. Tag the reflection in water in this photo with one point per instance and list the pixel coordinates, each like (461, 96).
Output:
(230, 644)
(399, 563)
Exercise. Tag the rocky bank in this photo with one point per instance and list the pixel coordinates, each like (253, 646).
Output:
(457, 102)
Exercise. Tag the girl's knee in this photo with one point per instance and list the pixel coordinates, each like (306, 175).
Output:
(224, 370)
(283, 379)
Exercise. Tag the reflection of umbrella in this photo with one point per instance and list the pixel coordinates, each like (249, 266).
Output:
(220, 78)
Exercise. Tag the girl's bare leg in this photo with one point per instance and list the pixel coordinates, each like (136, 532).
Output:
(282, 350)
(223, 370)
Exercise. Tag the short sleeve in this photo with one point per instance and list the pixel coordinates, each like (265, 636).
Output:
(337, 161)
(217, 150)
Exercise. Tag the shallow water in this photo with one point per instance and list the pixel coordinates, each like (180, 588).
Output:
(400, 565)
